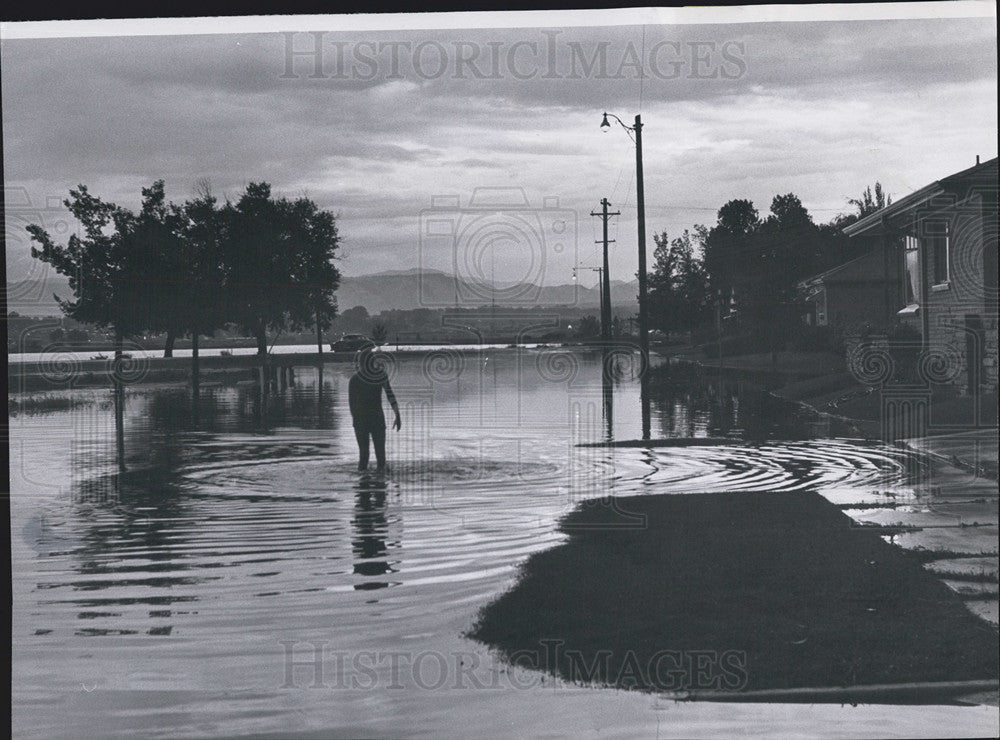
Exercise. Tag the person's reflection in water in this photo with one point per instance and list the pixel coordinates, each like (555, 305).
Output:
(364, 394)
(370, 530)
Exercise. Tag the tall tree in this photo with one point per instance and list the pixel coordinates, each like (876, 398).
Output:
(738, 217)
(869, 203)
(259, 263)
(662, 293)
(154, 239)
(726, 244)
(693, 277)
(279, 269)
(103, 273)
(678, 284)
(315, 238)
(203, 289)
(784, 249)
(788, 213)
(109, 274)
(202, 247)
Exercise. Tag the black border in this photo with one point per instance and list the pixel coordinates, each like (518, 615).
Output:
(21, 10)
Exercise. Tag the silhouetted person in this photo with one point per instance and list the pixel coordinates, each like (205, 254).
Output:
(364, 393)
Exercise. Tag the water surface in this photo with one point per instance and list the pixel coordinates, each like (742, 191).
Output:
(241, 577)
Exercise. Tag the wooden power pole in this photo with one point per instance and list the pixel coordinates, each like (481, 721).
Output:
(606, 277)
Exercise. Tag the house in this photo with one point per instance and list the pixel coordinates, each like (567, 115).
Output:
(851, 295)
(942, 242)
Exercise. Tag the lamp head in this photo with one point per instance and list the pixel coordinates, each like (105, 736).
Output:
(605, 126)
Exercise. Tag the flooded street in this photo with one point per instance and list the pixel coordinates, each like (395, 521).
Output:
(242, 577)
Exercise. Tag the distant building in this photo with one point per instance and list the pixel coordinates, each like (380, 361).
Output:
(941, 244)
(851, 295)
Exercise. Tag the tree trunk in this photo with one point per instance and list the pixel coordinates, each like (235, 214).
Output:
(195, 368)
(265, 377)
(119, 392)
(319, 334)
(262, 343)
(168, 347)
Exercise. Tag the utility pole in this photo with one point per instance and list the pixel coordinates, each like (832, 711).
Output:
(600, 272)
(606, 280)
(640, 202)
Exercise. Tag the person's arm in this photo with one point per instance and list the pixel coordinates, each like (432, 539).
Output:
(392, 402)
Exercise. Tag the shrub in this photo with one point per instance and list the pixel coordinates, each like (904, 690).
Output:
(806, 338)
(740, 344)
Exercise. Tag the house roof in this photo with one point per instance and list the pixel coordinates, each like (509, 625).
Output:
(819, 277)
(842, 272)
(873, 224)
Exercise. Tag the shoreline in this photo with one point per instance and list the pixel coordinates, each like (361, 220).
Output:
(61, 373)
(104, 353)
(840, 397)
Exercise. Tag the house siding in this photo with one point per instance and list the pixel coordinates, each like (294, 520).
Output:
(957, 322)
(960, 320)
(853, 305)
(854, 297)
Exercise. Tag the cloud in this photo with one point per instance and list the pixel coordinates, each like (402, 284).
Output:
(742, 110)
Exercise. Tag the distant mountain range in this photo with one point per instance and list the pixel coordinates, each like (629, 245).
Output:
(409, 289)
(393, 289)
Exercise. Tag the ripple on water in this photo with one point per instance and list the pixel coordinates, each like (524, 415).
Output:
(194, 572)
(240, 536)
(276, 526)
(824, 465)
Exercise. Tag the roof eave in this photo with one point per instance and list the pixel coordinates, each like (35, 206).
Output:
(872, 224)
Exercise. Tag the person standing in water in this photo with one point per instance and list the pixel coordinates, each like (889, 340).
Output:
(364, 395)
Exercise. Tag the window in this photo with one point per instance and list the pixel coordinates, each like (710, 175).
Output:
(911, 273)
(936, 242)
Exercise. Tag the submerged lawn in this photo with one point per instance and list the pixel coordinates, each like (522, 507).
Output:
(733, 591)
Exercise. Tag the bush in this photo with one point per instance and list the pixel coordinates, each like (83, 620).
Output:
(806, 338)
(703, 335)
(740, 344)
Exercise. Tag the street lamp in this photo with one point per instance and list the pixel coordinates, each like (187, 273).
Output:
(641, 208)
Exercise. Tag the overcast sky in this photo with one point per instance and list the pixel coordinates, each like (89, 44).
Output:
(400, 127)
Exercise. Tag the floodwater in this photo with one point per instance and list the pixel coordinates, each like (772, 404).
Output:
(242, 578)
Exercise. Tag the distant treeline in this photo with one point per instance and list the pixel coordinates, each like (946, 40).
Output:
(410, 326)
(259, 263)
(746, 268)
(263, 265)
(485, 323)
